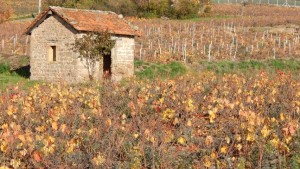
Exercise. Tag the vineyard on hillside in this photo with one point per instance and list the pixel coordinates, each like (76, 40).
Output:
(260, 33)
(22, 7)
(285, 3)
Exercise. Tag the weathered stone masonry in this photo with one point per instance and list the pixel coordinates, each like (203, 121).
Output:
(122, 58)
(53, 30)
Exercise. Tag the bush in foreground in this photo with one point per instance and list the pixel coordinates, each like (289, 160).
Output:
(228, 121)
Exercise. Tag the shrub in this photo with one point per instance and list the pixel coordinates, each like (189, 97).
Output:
(125, 7)
(142, 8)
(4, 67)
(186, 8)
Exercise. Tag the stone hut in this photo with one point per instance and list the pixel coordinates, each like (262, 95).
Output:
(53, 34)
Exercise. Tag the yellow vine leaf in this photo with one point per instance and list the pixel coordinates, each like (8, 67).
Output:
(108, 122)
(10, 110)
(152, 139)
(189, 123)
(282, 117)
(98, 160)
(168, 114)
(4, 146)
(40, 129)
(63, 128)
(250, 137)
(224, 149)
(136, 135)
(190, 106)
(181, 140)
(169, 136)
(176, 121)
(213, 155)
(207, 162)
(239, 147)
(22, 138)
(4, 167)
(275, 142)
(161, 100)
(288, 139)
(15, 163)
(54, 126)
(212, 116)
(265, 132)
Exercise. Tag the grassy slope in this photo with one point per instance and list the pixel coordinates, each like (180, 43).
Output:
(14, 70)
(11, 79)
(144, 70)
(158, 70)
(24, 7)
(250, 66)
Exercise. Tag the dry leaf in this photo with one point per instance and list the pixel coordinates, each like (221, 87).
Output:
(54, 126)
(37, 156)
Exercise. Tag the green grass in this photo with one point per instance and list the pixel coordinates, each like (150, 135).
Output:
(22, 17)
(9, 79)
(295, 162)
(4, 67)
(250, 66)
(146, 70)
(209, 18)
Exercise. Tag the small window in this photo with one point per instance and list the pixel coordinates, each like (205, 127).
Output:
(52, 54)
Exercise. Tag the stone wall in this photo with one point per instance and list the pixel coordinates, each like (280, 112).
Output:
(69, 67)
(122, 58)
(53, 32)
(82, 71)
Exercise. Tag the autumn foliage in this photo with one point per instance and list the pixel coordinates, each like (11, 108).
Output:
(198, 121)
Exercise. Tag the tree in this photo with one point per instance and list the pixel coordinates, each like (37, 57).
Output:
(62, 3)
(125, 7)
(91, 47)
(5, 11)
(186, 8)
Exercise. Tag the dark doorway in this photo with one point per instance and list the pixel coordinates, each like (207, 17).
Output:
(107, 66)
(23, 71)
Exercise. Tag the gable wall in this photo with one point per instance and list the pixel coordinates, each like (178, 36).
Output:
(123, 57)
(68, 67)
(53, 32)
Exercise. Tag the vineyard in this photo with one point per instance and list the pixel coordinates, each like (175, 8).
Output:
(13, 41)
(285, 3)
(196, 121)
(259, 34)
(221, 91)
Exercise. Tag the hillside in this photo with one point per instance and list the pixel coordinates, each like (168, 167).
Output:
(22, 7)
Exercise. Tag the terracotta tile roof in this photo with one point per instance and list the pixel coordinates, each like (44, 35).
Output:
(89, 21)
